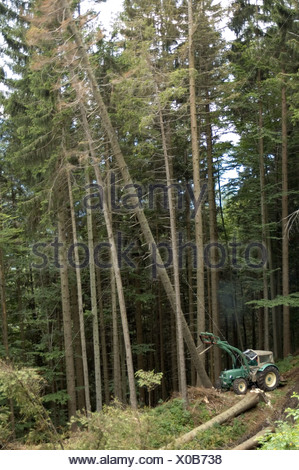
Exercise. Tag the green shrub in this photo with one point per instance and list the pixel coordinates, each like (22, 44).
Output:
(218, 437)
(5, 428)
(23, 386)
(115, 428)
(168, 420)
(288, 363)
(120, 428)
(286, 436)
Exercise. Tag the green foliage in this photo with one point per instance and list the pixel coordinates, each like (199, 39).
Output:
(5, 429)
(122, 428)
(148, 379)
(142, 348)
(113, 428)
(218, 437)
(167, 421)
(60, 397)
(288, 364)
(143, 68)
(292, 300)
(286, 436)
(24, 386)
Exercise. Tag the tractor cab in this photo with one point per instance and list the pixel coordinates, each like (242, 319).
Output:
(258, 358)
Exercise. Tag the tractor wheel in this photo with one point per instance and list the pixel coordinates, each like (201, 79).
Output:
(240, 386)
(268, 379)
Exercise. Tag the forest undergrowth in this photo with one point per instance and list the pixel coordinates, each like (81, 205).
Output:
(119, 427)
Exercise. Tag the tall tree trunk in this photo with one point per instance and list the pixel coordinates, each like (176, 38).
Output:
(118, 155)
(236, 312)
(199, 239)
(20, 310)
(3, 306)
(66, 314)
(174, 246)
(139, 339)
(273, 295)
(264, 215)
(103, 339)
(213, 233)
(5, 335)
(115, 341)
(189, 263)
(285, 240)
(94, 302)
(174, 362)
(77, 346)
(161, 344)
(80, 294)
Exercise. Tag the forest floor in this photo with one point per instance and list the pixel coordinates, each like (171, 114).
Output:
(266, 415)
(119, 427)
(243, 427)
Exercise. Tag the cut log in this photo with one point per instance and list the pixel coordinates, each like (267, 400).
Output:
(251, 400)
(253, 442)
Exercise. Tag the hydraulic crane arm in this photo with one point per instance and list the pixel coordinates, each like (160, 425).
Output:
(210, 338)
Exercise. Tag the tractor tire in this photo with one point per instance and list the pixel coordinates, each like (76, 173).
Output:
(268, 379)
(240, 386)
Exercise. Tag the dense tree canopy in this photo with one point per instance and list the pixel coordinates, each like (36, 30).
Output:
(129, 221)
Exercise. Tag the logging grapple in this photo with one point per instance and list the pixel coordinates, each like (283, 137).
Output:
(249, 368)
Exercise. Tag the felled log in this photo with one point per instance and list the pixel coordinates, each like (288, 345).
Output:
(250, 400)
(252, 443)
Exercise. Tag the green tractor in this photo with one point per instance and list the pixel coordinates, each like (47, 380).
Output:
(249, 367)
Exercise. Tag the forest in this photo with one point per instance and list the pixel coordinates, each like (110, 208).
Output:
(149, 191)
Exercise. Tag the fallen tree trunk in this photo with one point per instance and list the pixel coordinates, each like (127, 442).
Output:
(252, 443)
(251, 400)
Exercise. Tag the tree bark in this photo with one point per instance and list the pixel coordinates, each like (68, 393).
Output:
(263, 215)
(94, 303)
(103, 339)
(115, 341)
(5, 334)
(285, 240)
(253, 442)
(189, 267)
(200, 280)
(3, 306)
(77, 346)
(66, 315)
(80, 293)
(213, 235)
(161, 341)
(139, 339)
